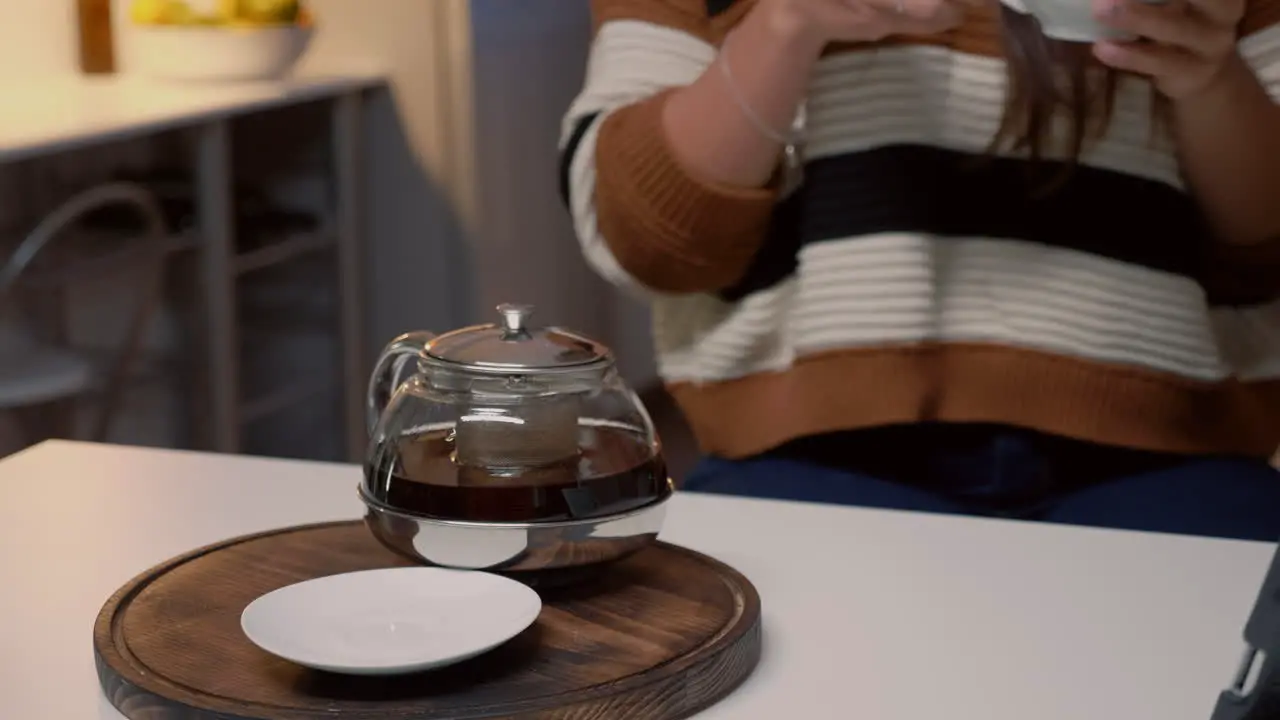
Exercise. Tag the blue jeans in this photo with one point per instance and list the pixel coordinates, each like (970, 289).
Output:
(1012, 474)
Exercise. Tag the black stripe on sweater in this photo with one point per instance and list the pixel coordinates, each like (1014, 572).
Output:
(716, 7)
(570, 150)
(944, 193)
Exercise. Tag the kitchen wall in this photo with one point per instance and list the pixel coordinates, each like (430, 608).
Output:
(420, 264)
(481, 104)
(36, 37)
(529, 62)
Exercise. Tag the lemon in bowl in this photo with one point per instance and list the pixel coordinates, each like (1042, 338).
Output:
(226, 40)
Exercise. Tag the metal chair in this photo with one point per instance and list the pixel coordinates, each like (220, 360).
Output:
(34, 372)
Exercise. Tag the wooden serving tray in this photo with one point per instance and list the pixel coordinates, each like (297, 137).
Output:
(661, 635)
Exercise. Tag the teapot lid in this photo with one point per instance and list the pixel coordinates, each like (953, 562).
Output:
(512, 347)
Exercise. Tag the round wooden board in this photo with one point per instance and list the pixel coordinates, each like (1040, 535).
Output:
(661, 635)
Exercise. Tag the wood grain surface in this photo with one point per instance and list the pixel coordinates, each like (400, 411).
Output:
(659, 636)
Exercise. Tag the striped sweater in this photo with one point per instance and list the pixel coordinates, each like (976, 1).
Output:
(913, 276)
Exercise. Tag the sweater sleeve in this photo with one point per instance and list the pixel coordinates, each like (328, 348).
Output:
(1243, 275)
(645, 222)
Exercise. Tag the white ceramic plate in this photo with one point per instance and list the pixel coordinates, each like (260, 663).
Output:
(394, 621)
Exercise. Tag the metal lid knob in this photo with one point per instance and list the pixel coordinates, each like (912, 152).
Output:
(513, 345)
(514, 320)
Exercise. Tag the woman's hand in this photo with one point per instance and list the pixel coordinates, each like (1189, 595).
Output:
(1183, 45)
(826, 21)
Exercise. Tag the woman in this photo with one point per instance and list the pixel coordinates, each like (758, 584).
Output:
(913, 254)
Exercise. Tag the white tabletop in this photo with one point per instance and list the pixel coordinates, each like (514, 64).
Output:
(49, 113)
(869, 615)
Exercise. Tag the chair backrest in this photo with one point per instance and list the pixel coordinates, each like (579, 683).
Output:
(55, 225)
(69, 212)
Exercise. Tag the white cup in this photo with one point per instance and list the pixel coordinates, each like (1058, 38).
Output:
(1070, 20)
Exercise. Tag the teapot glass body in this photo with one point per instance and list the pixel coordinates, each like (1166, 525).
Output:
(503, 424)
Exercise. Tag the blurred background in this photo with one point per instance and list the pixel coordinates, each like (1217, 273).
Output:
(214, 213)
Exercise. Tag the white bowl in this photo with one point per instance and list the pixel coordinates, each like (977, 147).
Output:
(214, 53)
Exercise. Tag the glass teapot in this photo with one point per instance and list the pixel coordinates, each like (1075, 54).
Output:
(508, 423)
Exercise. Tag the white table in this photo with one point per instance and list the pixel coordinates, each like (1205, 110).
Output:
(868, 615)
(46, 114)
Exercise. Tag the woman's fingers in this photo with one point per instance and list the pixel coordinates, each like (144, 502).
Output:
(1176, 24)
(871, 20)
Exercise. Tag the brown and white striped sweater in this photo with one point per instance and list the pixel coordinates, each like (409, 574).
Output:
(908, 279)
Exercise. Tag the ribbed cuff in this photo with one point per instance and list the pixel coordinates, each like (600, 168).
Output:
(671, 231)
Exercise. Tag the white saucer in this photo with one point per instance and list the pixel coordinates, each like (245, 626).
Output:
(387, 622)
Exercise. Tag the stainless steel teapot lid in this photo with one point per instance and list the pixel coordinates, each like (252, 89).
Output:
(512, 346)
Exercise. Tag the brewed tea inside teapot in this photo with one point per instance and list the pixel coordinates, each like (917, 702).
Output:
(508, 423)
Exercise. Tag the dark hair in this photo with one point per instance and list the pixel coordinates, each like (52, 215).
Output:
(1050, 82)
